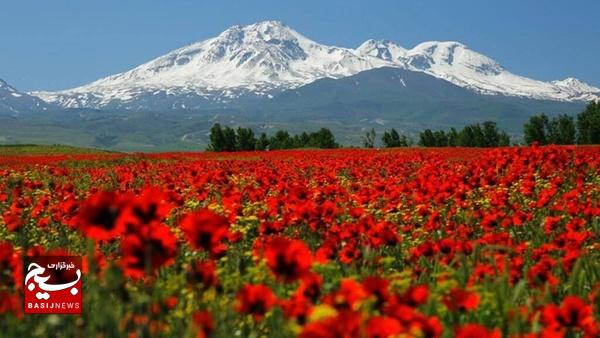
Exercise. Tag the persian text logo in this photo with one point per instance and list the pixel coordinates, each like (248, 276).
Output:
(53, 284)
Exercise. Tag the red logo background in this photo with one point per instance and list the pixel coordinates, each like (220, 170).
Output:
(61, 292)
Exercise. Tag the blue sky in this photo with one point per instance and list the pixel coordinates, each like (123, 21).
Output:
(57, 44)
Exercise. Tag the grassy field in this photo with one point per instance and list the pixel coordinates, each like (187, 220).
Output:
(34, 149)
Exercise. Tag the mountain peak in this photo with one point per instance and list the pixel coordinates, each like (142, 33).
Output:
(257, 59)
(14, 102)
(452, 54)
(269, 24)
(6, 87)
(267, 57)
(261, 31)
(382, 49)
(576, 84)
(578, 89)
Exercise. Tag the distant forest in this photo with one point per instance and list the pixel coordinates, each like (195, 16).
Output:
(540, 129)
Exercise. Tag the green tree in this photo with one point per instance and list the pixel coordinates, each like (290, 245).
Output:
(491, 135)
(217, 140)
(305, 139)
(440, 138)
(466, 137)
(561, 130)
(588, 124)
(369, 138)
(281, 140)
(479, 136)
(245, 139)
(503, 139)
(568, 132)
(390, 139)
(263, 142)
(535, 129)
(229, 139)
(427, 138)
(323, 138)
(453, 139)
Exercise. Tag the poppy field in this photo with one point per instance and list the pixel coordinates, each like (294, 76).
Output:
(451, 242)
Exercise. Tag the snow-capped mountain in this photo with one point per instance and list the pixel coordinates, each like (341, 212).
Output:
(15, 103)
(580, 89)
(258, 59)
(454, 62)
(265, 58)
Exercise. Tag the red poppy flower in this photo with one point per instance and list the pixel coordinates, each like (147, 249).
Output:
(310, 287)
(430, 327)
(151, 206)
(203, 272)
(10, 303)
(477, 331)
(345, 324)
(347, 296)
(10, 266)
(416, 295)
(383, 327)
(147, 250)
(204, 322)
(297, 307)
(99, 213)
(461, 300)
(378, 287)
(206, 230)
(572, 313)
(349, 253)
(288, 259)
(255, 300)
(12, 217)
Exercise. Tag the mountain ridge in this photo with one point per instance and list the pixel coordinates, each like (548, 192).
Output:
(15, 103)
(267, 58)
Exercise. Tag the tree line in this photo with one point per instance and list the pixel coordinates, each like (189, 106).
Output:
(244, 139)
(482, 135)
(564, 129)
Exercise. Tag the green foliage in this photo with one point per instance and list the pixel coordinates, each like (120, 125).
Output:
(392, 139)
(281, 140)
(535, 129)
(563, 129)
(229, 139)
(263, 142)
(588, 124)
(369, 138)
(486, 135)
(217, 139)
(323, 138)
(491, 135)
(57, 149)
(426, 138)
(453, 137)
(244, 139)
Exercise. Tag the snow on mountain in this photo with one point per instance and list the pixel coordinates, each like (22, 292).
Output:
(14, 102)
(579, 88)
(256, 59)
(383, 49)
(454, 62)
(268, 57)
